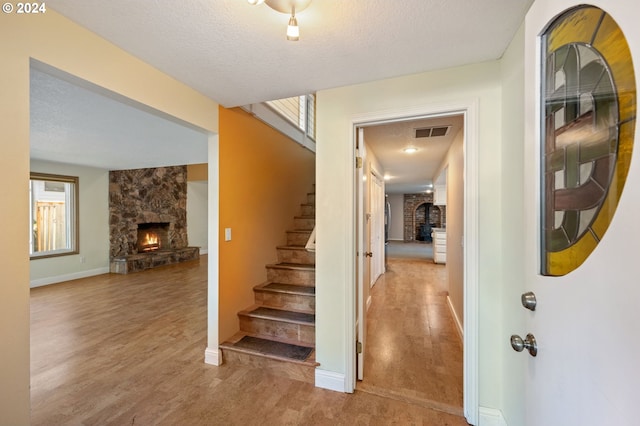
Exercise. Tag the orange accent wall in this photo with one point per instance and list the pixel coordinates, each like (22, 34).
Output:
(264, 177)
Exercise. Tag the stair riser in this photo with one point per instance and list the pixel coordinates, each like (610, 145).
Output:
(298, 238)
(304, 223)
(290, 370)
(291, 276)
(296, 302)
(307, 210)
(303, 257)
(292, 332)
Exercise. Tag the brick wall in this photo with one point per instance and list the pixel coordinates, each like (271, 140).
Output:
(416, 209)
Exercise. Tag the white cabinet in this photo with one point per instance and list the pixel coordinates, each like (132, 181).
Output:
(439, 245)
(440, 195)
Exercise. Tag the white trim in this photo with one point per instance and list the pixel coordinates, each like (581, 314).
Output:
(213, 356)
(469, 108)
(456, 319)
(267, 115)
(331, 380)
(213, 309)
(68, 277)
(491, 417)
(203, 252)
(471, 264)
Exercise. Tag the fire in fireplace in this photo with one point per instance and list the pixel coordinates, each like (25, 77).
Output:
(153, 236)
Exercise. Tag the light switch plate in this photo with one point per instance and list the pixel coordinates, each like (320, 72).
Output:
(227, 234)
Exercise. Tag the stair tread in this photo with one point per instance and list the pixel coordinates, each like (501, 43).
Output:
(287, 288)
(270, 348)
(298, 266)
(281, 315)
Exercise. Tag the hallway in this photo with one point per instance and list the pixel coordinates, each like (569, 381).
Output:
(413, 351)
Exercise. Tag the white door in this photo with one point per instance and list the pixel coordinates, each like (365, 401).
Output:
(586, 371)
(376, 228)
(362, 261)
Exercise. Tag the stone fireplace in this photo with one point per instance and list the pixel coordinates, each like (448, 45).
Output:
(148, 218)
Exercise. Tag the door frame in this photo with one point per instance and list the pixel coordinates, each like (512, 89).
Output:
(469, 109)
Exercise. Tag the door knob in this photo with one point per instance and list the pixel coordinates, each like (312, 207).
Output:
(529, 301)
(528, 343)
(368, 254)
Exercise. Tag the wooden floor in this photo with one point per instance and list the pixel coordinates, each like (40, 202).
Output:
(129, 350)
(413, 350)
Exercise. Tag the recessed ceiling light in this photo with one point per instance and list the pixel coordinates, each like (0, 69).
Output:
(410, 150)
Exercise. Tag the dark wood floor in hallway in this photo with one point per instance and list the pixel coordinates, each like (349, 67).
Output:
(413, 350)
(129, 349)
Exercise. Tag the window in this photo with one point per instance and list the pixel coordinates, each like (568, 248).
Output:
(299, 110)
(53, 215)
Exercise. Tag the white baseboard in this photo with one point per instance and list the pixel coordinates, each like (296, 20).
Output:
(456, 319)
(68, 277)
(330, 380)
(213, 356)
(491, 417)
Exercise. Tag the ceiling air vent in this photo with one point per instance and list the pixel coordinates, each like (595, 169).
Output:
(432, 132)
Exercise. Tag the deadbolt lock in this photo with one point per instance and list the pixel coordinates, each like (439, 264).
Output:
(529, 301)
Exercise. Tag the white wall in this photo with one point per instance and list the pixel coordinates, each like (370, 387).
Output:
(336, 109)
(396, 230)
(93, 219)
(197, 200)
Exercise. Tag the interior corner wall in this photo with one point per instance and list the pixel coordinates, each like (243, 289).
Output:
(197, 208)
(513, 255)
(93, 221)
(335, 111)
(454, 163)
(264, 177)
(56, 41)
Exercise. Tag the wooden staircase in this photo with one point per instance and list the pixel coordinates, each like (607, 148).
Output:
(277, 333)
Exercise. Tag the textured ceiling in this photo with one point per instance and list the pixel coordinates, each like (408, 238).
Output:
(411, 173)
(237, 54)
(71, 123)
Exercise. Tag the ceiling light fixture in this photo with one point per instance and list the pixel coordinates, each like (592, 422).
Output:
(287, 6)
(410, 150)
(293, 32)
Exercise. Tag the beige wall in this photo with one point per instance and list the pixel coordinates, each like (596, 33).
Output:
(56, 41)
(93, 257)
(336, 110)
(264, 177)
(453, 165)
(197, 172)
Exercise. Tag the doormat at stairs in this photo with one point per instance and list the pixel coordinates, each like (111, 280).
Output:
(269, 347)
